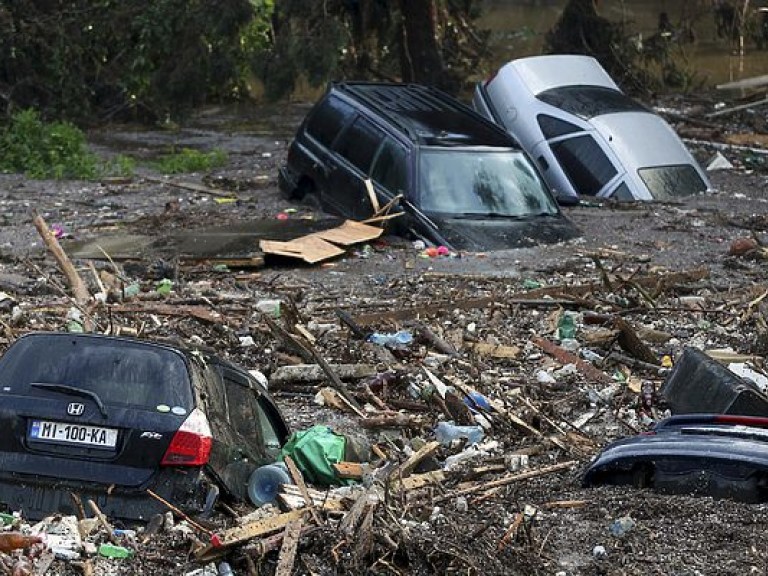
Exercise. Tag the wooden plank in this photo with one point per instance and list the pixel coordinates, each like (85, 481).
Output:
(348, 470)
(495, 350)
(246, 262)
(192, 187)
(420, 480)
(350, 233)
(298, 479)
(288, 552)
(372, 196)
(240, 534)
(311, 249)
(407, 467)
(296, 502)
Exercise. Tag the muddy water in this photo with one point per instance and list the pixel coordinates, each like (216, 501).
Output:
(518, 29)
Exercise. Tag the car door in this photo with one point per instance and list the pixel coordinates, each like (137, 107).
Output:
(354, 152)
(389, 173)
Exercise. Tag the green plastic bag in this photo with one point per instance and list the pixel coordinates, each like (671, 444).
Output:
(314, 451)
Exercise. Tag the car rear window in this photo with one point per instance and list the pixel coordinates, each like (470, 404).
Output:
(585, 164)
(667, 182)
(590, 101)
(119, 372)
(326, 120)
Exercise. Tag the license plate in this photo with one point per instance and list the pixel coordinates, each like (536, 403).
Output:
(73, 434)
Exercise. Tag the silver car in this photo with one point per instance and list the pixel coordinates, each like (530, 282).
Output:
(588, 137)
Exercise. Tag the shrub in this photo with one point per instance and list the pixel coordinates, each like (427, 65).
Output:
(189, 160)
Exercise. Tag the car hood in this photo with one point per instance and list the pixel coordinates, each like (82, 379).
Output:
(499, 233)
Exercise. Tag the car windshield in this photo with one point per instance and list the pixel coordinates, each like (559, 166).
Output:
(482, 182)
(118, 372)
(590, 101)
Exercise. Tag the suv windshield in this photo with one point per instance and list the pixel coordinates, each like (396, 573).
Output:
(481, 182)
(118, 372)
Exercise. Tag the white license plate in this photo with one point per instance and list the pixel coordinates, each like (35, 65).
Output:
(73, 433)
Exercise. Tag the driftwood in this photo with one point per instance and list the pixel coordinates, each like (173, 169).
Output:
(287, 555)
(192, 187)
(333, 378)
(508, 480)
(103, 521)
(567, 357)
(298, 479)
(395, 420)
(415, 459)
(284, 376)
(435, 341)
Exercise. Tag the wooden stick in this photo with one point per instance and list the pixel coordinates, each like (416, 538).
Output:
(287, 557)
(299, 481)
(509, 480)
(181, 514)
(104, 522)
(79, 288)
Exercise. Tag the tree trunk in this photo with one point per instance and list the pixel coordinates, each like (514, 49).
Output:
(421, 60)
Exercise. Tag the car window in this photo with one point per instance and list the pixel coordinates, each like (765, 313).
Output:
(359, 143)
(585, 164)
(553, 127)
(241, 401)
(119, 372)
(480, 182)
(590, 101)
(389, 167)
(667, 182)
(327, 119)
(269, 432)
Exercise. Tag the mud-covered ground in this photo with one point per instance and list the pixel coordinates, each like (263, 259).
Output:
(563, 523)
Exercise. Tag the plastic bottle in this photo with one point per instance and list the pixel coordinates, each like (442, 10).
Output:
(265, 481)
(225, 569)
(447, 432)
(112, 551)
(566, 327)
(10, 541)
(401, 338)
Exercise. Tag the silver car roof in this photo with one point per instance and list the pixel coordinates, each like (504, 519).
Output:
(542, 73)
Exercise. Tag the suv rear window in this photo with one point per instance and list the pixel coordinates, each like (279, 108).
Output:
(327, 119)
(118, 372)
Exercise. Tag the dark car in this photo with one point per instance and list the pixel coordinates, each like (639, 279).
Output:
(719, 455)
(464, 182)
(109, 418)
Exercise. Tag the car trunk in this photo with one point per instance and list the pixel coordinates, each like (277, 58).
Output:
(85, 409)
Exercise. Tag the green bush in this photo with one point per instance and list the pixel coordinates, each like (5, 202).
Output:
(45, 150)
(189, 160)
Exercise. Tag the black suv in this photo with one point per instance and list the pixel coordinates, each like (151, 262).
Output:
(90, 416)
(465, 182)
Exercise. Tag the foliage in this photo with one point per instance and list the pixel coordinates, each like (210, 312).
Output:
(130, 59)
(45, 150)
(189, 160)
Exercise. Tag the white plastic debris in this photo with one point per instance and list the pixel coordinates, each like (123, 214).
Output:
(748, 373)
(599, 551)
(544, 377)
(719, 162)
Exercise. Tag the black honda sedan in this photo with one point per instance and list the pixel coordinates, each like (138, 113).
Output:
(109, 419)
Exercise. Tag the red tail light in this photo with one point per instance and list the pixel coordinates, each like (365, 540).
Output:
(191, 445)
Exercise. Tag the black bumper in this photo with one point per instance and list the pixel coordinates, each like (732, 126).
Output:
(37, 497)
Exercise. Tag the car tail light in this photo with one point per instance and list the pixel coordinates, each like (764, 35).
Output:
(191, 445)
(754, 421)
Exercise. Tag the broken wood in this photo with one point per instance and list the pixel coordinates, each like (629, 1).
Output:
(103, 521)
(240, 534)
(435, 341)
(193, 187)
(287, 555)
(494, 350)
(333, 378)
(76, 283)
(162, 309)
(566, 357)
(395, 420)
(509, 480)
(415, 459)
(348, 470)
(298, 479)
(416, 481)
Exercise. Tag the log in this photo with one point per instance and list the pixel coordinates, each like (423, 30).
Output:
(76, 283)
(311, 373)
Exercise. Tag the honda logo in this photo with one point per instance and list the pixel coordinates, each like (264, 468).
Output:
(75, 409)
